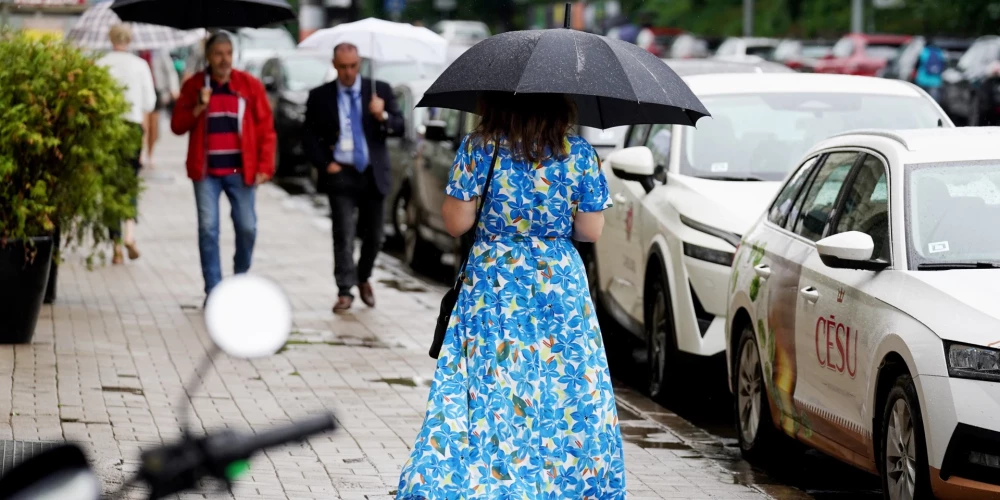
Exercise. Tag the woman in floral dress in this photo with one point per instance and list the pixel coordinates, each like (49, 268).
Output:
(521, 405)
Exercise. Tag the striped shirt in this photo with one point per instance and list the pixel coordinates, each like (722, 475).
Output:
(224, 154)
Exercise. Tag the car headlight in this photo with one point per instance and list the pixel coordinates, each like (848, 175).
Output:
(968, 361)
(708, 254)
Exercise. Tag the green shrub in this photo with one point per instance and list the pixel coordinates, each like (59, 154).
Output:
(64, 146)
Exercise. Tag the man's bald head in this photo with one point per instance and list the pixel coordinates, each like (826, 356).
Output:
(347, 62)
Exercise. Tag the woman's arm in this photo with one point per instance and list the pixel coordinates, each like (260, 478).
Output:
(587, 226)
(459, 215)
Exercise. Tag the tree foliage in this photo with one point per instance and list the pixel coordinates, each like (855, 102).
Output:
(64, 145)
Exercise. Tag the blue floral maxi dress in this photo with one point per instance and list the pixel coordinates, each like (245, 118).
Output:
(521, 405)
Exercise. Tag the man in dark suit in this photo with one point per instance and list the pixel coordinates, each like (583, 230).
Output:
(344, 138)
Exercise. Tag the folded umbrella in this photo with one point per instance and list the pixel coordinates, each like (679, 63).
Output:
(91, 32)
(612, 82)
(383, 41)
(188, 14)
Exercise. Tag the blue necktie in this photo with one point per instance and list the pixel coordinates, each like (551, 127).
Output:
(357, 132)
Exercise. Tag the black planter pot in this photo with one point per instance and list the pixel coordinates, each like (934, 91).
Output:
(23, 289)
(50, 289)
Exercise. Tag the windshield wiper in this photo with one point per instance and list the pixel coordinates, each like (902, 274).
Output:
(942, 266)
(730, 178)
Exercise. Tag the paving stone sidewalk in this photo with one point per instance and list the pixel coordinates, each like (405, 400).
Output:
(109, 361)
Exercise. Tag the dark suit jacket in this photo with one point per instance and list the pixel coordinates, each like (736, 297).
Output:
(322, 131)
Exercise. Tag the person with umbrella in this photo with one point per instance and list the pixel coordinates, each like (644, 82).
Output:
(346, 125)
(231, 148)
(521, 404)
(133, 73)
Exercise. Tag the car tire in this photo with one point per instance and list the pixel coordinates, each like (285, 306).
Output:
(399, 213)
(755, 430)
(661, 341)
(418, 253)
(904, 466)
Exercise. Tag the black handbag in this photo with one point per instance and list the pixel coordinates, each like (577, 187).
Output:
(451, 297)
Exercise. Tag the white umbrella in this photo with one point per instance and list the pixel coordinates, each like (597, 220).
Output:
(91, 32)
(383, 41)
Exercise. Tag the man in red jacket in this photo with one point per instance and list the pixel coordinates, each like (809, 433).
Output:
(231, 150)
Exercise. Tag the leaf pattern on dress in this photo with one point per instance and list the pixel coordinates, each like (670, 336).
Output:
(521, 405)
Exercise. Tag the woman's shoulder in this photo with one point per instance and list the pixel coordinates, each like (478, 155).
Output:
(578, 146)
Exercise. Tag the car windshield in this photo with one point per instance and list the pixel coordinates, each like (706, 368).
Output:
(762, 136)
(876, 51)
(306, 73)
(946, 205)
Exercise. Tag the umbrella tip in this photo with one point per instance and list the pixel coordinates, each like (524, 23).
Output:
(569, 7)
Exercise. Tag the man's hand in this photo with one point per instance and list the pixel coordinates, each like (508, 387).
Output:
(261, 178)
(377, 107)
(333, 168)
(206, 94)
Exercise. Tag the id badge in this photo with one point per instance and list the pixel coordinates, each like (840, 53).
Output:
(347, 142)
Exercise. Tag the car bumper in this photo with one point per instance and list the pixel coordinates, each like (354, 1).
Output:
(963, 436)
(704, 319)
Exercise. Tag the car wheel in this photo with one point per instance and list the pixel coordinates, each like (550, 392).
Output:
(905, 474)
(419, 254)
(399, 213)
(754, 425)
(661, 341)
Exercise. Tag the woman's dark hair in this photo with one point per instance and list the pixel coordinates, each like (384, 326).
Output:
(535, 125)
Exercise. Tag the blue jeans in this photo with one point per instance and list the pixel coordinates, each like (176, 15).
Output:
(241, 198)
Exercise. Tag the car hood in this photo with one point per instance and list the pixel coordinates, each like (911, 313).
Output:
(732, 206)
(958, 305)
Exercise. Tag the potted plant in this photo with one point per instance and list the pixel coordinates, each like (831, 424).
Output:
(64, 150)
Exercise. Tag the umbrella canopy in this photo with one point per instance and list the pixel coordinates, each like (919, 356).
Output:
(188, 14)
(91, 32)
(613, 82)
(383, 41)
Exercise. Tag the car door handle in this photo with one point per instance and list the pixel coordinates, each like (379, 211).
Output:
(763, 270)
(810, 293)
(620, 198)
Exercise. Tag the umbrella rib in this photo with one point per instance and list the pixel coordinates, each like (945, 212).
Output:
(636, 59)
(527, 62)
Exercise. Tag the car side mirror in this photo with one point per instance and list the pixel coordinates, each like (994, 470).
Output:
(634, 164)
(849, 250)
(434, 130)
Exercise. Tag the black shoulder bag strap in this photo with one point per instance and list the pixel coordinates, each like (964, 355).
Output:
(479, 213)
(451, 296)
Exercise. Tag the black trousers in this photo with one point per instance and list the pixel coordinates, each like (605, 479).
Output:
(353, 192)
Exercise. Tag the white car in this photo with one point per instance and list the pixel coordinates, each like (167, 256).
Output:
(684, 196)
(864, 311)
(749, 49)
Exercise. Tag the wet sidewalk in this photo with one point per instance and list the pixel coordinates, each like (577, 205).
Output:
(109, 361)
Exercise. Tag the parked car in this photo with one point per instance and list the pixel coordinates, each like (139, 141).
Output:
(688, 46)
(801, 55)
(251, 43)
(861, 54)
(904, 65)
(683, 197)
(749, 49)
(663, 39)
(461, 35)
(862, 317)
(288, 78)
(970, 91)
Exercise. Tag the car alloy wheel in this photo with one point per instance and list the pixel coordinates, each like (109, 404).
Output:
(400, 215)
(660, 342)
(905, 473)
(749, 391)
(900, 453)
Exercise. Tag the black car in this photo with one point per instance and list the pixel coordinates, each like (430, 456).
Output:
(970, 91)
(288, 78)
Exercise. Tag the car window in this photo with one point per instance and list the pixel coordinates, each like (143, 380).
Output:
(843, 48)
(866, 206)
(819, 201)
(451, 119)
(637, 135)
(659, 143)
(786, 198)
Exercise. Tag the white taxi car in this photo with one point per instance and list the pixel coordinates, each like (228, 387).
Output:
(864, 311)
(684, 196)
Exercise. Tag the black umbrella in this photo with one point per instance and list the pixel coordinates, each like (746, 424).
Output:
(189, 14)
(613, 82)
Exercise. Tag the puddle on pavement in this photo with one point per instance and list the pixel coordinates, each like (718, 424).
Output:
(653, 438)
(314, 337)
(402, 286)
(126, 390)
(406, 381)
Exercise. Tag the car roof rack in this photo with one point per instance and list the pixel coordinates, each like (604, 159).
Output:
(888, 134)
